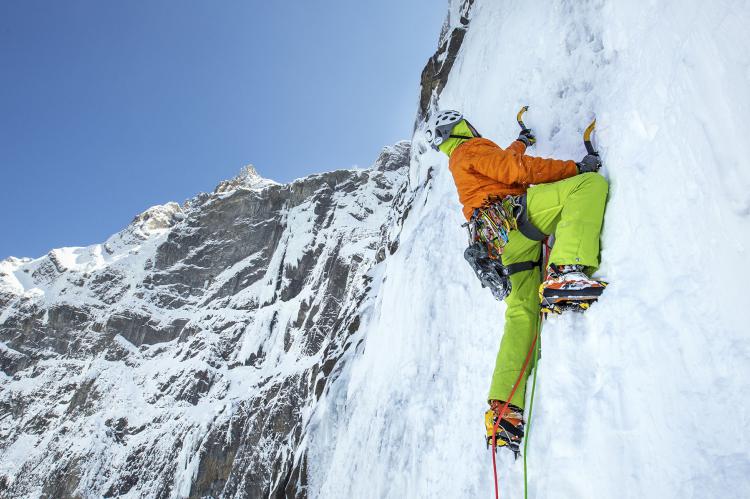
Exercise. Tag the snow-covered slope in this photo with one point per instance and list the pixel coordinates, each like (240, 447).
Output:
(647, 394)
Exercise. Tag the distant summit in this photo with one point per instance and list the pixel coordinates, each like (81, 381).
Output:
(248, 178)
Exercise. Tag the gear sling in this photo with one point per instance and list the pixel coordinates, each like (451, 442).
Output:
(488, 233)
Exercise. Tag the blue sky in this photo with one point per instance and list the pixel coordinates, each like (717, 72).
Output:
(111, 107)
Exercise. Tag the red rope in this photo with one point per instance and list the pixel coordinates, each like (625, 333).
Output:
(515, 387)
(505, 408)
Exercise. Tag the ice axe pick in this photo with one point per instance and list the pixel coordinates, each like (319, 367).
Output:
(587, 138)
(519, 117)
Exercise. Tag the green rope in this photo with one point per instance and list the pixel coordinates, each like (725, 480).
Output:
(531, 408)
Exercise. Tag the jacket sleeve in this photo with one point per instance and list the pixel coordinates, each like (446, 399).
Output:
(511, 166)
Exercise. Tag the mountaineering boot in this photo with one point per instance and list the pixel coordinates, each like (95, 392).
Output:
(567, 287)
(510, 428)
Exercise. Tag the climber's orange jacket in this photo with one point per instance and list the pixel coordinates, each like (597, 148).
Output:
(483, 170)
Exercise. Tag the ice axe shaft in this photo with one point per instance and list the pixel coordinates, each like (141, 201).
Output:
(519, 117)
(587, 138)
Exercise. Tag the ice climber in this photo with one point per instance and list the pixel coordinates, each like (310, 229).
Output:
(512, 201)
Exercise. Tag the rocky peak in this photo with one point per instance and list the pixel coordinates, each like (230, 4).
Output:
(392, 157)
(157, 218)
(247, 178)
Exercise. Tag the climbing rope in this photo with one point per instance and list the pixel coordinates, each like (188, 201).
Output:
(504, 409)
(535, 350)
(527, 436)
(528, 419)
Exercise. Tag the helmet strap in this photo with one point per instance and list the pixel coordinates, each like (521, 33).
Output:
(473, 130)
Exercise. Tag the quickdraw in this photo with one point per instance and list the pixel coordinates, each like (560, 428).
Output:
(491, 225)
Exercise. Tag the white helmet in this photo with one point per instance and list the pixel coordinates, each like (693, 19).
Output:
(440, 127)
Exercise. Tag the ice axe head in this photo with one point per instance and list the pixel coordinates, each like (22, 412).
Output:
(587, 138)
(519, 117)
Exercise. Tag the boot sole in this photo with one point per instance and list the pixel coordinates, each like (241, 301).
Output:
(552, 295)
(566, 306)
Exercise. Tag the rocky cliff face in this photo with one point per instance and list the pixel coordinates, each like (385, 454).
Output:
(184, 356)
(438, 68)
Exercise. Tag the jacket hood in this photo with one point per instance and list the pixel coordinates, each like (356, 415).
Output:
(450, 145)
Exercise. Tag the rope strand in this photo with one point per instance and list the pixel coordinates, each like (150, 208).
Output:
(528, 425)
(537, 334)
(504, 409)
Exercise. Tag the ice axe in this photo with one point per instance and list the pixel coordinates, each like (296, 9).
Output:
(586, 133)
(587, 138)
(526, 134)
(519, 117)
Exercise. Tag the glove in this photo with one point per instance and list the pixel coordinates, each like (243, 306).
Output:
(527, 137)
(590, 163)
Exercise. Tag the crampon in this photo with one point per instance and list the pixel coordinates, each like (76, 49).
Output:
(509, 431)
(568, 288)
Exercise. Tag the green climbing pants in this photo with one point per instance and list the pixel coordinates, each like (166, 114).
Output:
(572, 210)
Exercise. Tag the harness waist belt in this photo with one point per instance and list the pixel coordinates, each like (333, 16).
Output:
(530, 231)
(525, 226)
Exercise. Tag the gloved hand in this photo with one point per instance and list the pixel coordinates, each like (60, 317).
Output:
(590, 163)
(527, 137)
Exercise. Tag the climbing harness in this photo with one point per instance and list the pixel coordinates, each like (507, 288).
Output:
(491, 225)
(523, 222)
(489, 232)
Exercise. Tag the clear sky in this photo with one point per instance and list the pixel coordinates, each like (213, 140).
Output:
(109, 107)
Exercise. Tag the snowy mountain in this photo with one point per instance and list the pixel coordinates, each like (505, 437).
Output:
(326, 339)
(183, 356)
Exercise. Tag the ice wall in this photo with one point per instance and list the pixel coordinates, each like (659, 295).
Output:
(645, 395)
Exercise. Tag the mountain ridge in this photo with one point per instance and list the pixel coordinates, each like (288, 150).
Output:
(255, 285)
